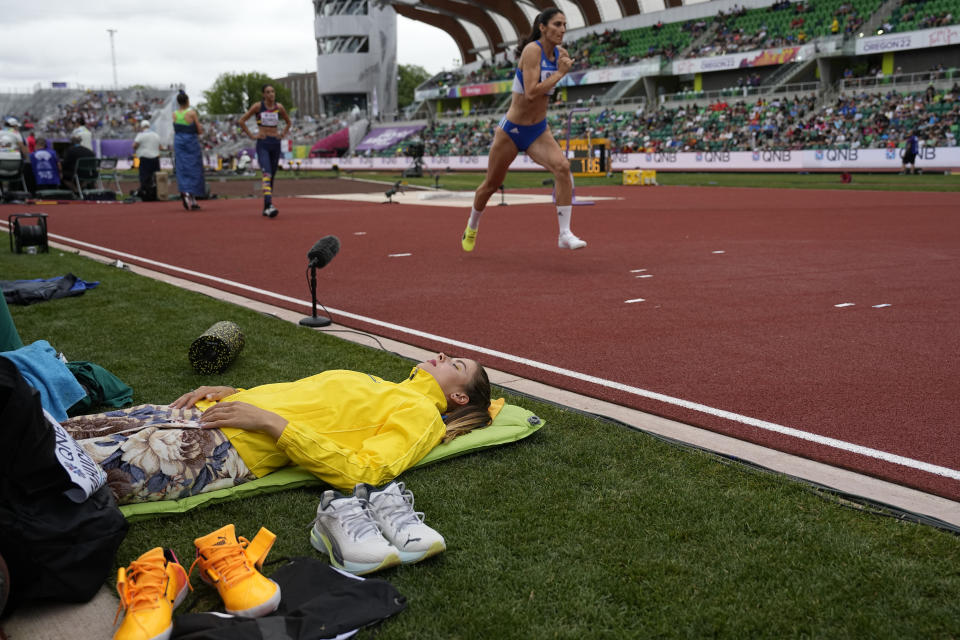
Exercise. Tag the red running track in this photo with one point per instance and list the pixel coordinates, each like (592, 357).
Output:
(820, 323)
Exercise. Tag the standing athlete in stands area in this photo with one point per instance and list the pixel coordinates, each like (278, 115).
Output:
(542, 64)
(911, 147)
(188, 152)
(268, 112)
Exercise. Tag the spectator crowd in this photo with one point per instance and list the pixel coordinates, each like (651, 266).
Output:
(856, 121)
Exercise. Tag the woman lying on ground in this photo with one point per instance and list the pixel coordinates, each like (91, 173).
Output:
(345, 427)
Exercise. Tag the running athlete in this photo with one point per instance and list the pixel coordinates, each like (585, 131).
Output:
(542, 64)
(268, 112)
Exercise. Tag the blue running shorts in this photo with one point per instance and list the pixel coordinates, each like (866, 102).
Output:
(523, 135)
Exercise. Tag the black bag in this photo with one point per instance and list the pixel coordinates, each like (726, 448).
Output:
(55, 548)
(30, 291)
(149, 192)
(317, 601)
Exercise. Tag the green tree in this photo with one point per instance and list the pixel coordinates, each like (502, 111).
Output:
(411, 76)
(235, 92)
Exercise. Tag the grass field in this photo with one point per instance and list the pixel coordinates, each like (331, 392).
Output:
(534, 179)
(467, 181)
(584, 530)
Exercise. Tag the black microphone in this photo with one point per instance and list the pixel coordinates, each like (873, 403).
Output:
(323, 251)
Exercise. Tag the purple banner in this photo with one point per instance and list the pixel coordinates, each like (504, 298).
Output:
(385, 137)
(116, 148)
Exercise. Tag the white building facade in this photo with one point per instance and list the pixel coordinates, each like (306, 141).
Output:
(356, 56)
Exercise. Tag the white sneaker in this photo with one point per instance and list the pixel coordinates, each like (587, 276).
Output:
(347, 532)
(392, 508)
(569, 241)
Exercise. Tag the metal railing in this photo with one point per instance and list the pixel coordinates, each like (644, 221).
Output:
(902, 81)
(739, 93)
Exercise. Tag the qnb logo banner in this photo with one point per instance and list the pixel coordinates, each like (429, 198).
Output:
(935, 158)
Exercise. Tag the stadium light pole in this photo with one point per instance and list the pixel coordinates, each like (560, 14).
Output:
(113, 56)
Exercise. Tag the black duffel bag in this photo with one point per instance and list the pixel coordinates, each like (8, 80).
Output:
(57, 548)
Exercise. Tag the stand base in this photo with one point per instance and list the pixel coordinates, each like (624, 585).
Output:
(315, 321)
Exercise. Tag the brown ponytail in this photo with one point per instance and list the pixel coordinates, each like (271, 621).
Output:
(542, 18)
(475, 413)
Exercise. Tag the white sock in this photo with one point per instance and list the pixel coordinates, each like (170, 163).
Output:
(564, 214)
(474, 220)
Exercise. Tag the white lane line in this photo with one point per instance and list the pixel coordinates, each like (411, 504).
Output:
(718, 252)
(881, 306)
(399, 255)
(834, 443)
(634, 300)
(844, 304)
(637, 270)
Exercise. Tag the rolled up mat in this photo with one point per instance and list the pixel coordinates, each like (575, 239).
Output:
(216, 347)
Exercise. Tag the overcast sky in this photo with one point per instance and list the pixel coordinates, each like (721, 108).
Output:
(166, 43)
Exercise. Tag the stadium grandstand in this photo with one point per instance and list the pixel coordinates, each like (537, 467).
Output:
(807, 85)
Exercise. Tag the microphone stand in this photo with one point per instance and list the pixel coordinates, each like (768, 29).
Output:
(314, 320)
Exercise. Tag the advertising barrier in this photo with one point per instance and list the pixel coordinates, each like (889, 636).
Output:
(646, 67)
(923, 39)
(750, 59)
(929, 158)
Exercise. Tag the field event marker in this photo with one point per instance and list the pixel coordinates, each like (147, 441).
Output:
(634, 300)
(399, 255)
(637, 270)
(717, 252)
(881, 306)
(844, 304)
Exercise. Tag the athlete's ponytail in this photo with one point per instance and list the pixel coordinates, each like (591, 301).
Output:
(542, 19)
(473, 415)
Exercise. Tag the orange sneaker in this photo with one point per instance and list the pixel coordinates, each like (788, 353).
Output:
(232, 566)
(150, 589)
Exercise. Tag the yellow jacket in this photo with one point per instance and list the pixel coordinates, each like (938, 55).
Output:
(345, 427)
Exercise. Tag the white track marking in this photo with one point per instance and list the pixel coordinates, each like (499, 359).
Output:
(825, 441)
(398, 255)
(634, 300)
(844, 304)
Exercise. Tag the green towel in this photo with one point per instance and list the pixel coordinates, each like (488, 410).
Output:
(103, 388)
(9, 338)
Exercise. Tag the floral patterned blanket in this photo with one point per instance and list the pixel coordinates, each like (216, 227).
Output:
(153, 452)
